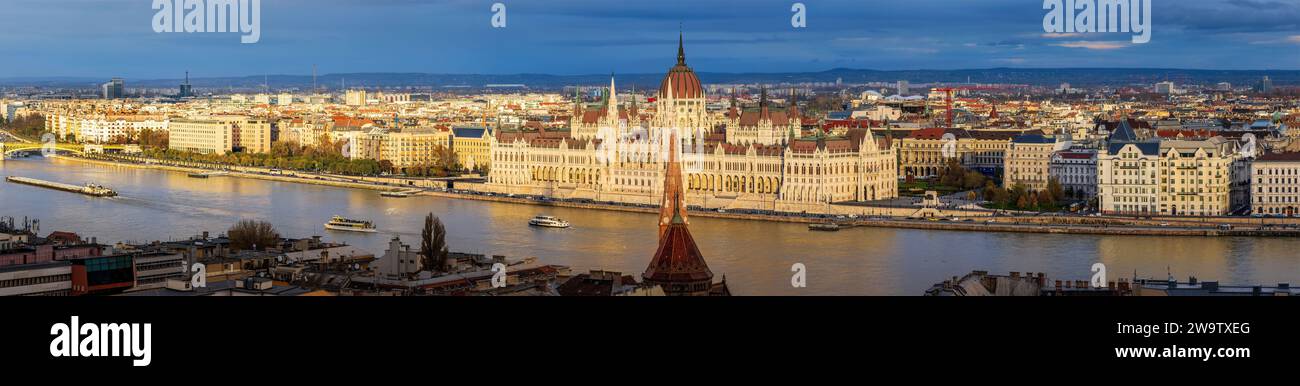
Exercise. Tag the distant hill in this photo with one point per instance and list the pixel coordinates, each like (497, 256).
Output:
(1041, 77)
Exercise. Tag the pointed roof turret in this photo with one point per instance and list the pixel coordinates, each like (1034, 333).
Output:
(1123, 133)
(677, 266)
(674, 200)
(611, 104)
(733, 112)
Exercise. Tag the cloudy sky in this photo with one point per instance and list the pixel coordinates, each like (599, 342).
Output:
(100, 38)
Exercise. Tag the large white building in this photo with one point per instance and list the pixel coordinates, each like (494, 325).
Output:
(1076, 171)
(611, 156)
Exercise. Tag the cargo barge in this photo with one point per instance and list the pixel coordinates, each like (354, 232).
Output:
(89, 189)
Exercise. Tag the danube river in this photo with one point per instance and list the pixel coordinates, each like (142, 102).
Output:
(756, 257)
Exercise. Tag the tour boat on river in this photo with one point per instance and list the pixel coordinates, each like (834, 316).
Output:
(548, 222)
(339, 223)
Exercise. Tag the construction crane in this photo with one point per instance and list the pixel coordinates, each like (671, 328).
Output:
(948, 91)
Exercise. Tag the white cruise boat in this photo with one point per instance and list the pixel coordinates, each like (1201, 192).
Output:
(339, 223)
(548, 222)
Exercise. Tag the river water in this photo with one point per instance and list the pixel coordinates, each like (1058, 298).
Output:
(756, 257)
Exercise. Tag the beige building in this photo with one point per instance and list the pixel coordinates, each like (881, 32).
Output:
(926, 152)
(1128, 178)
(1196, 177)
(249, 135)
(1275, 184)
(1028, 162)
(412, 147)
(766, 126)
(201, 136)
(472, 147)
(355, 97)
(1174, 177)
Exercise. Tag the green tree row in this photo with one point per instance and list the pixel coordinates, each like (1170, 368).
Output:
(1020, 198)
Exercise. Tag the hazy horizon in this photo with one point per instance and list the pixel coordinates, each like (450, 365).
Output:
(96, 38)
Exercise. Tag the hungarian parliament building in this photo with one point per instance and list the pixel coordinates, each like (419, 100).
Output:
(741, 159)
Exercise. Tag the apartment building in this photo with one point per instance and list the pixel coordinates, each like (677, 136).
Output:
(1027, 161)
(1076, 170)
(201, 136)
(1275, 184)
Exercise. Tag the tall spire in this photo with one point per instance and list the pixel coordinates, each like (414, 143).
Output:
(612, 104)
(681, 50)
(673, 209)
(793, 110)
(577, 102)
(631, 110)
(678, 267)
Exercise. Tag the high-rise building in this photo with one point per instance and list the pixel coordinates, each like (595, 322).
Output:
(1165, 88)
(1266, 85)
(903, 88)
(114, 89)
(186, 89)
(354, 97)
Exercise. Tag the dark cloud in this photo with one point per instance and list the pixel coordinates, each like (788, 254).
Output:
(597, 36)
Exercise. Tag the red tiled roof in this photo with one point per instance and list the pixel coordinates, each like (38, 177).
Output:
(931, 133)
(683, 80)
(1171, 133)
(678, 259)
(684, 83)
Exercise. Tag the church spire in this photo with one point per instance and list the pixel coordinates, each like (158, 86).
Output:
(794, 105)
(577, 102)
(611, 112)
(678, 267)
(681, 50)
(673, 210)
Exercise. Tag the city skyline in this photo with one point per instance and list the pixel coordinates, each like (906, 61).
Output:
(407, 36)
